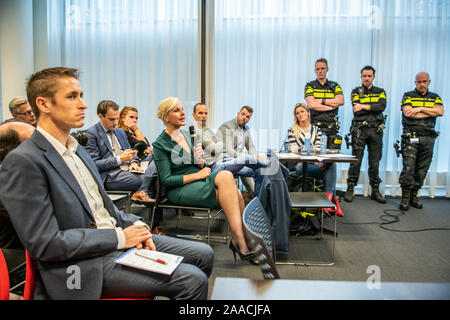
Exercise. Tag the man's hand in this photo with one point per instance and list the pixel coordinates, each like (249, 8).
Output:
(358, 107)
(128, 155)
(135, 166)
(137, 236)
(148, 244)
(411, 112)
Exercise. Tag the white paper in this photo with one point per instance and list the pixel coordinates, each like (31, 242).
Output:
(131, 259)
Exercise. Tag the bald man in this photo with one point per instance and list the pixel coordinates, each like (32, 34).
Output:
(420, 109)
(12, 134)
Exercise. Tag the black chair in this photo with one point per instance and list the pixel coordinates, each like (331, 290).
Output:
(80, 136)
(258, 233)
(163, 203)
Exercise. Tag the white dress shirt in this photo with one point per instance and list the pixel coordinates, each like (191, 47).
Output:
(88, 185)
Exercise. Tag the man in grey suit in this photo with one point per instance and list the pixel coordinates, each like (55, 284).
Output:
(66, 220)
(237, 141)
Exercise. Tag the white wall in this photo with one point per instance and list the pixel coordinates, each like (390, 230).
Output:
(16, 49)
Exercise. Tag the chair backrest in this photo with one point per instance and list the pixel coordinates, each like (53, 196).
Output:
(30, 273)
(80, 136)
(4, 278)
(259, 237)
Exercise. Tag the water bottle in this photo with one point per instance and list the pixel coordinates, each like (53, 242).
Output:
(323, 143)
(308, 146)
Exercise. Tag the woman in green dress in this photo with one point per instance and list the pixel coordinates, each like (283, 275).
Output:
(189, 181)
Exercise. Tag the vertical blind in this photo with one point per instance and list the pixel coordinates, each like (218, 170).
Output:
(139, 52)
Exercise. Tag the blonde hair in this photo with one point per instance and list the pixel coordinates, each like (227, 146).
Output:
(166, 105)
(296, 126)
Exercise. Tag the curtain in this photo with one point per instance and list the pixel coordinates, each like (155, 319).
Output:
(265, 52)
(135, 53)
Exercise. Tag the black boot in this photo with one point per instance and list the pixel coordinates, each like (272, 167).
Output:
(404, 204)
(348, 197)
(376, 195)
(414, 200)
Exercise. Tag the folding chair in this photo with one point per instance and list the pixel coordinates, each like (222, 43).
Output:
(211, 213)
(319, 201)
(258, 233)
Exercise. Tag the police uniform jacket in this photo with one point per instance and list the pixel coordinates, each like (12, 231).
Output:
(415, 99)
(329, 90)
(375, 97)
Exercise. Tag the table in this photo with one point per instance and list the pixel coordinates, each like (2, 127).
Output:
(247, 289)
(329, 157)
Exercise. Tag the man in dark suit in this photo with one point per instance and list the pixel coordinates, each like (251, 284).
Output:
(66, 220)
(109, 148)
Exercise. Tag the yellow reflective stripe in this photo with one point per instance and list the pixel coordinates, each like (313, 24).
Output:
(383, 95)
(338, 90)
(438, 101)
(320, 93)
(422, 103)
(309, 91)
(406, 102)
(370, 99)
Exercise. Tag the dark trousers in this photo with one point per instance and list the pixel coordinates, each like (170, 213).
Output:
(416, 161)
(374, 142)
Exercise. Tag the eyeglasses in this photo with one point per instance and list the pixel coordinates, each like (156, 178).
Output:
(27, 113)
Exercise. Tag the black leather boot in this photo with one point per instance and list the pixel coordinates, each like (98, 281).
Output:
(348, 197)
(414, 200)
(404, 204)
(376, 195)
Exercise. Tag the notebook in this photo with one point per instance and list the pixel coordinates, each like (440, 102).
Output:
(150, 260)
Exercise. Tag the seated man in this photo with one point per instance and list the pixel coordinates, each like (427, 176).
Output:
(11, 135)
(109, 148)
(212, 147)
(72, 229)
(235, 137)
(271, 186)
(21, 111)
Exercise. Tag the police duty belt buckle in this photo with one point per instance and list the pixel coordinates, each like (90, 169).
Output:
(414, 140)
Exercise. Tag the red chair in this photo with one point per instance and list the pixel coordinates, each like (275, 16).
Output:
(4, 278)
(30, 279)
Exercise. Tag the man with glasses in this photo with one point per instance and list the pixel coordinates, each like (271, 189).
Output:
(21, 111)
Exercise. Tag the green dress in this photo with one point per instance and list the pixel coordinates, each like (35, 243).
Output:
(173, 162)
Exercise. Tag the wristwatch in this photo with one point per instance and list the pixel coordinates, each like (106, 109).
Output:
(324, 100)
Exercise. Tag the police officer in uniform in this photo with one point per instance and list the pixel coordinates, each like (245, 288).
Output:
(420, 109)
(324, 97)
(367, 127)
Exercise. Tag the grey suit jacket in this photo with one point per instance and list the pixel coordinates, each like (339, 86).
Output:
(53, 220)
(228, 134)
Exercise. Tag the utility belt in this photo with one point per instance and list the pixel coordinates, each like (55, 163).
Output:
(331, 125)
(379, 124)
(355, 129)
(331, 128)
(411, 135)
(415, 132)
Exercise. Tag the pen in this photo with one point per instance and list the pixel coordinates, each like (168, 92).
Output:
(150, 258)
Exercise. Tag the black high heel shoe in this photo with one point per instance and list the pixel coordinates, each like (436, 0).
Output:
(245, 256)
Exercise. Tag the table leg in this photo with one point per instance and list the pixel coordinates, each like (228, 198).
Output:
(305, 164)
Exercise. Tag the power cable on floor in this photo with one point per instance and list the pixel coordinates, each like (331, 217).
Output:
(390, 218)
